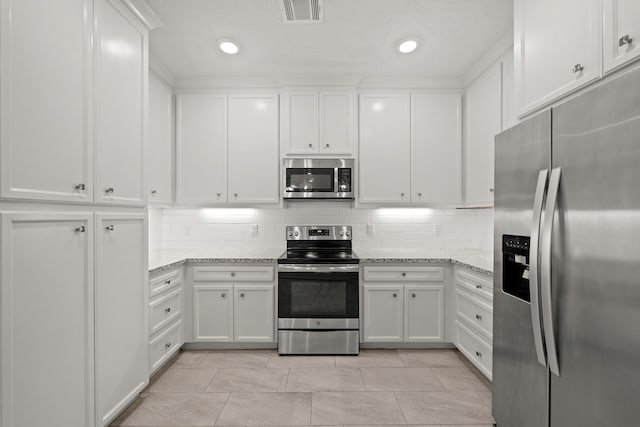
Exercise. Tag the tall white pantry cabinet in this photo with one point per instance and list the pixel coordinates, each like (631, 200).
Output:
(73, 228)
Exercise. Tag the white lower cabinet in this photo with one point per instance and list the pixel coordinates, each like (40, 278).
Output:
(403, 304)
(474, 318)
(47, 306)
(233, 304)
(166, 306)
(122, 363)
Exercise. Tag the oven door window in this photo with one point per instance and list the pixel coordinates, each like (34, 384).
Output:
(304, 297)
(310, 180)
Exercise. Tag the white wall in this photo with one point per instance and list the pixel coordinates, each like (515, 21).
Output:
(216, 230)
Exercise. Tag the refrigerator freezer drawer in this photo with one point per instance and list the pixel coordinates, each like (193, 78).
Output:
(477, 350)
(475, 312)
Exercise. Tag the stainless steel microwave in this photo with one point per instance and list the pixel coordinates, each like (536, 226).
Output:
(318, 179)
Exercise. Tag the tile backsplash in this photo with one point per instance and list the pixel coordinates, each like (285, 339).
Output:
(217, 229)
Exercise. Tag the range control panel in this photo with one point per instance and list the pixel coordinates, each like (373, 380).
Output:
(319, 232)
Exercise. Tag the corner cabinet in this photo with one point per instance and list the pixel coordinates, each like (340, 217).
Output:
(403, 304)
(121, 295)
(621, 33)
(319, 122)
(557, 49)
(45, 134)
(121, 87)
(47, 299)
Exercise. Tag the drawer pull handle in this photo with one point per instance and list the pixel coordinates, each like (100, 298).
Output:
(478, 317)
(167, 345)
(478, 354)
(624, 40)
(167, 310)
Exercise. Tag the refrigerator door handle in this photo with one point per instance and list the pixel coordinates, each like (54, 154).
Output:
(534, 254)
(545, 264)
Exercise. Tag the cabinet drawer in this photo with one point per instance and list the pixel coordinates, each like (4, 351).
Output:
(165, 310)
(476, 349)
(165, 345)
(233, 274)
(164, 281)
(403, 274)
(476, 284)
(475, 312)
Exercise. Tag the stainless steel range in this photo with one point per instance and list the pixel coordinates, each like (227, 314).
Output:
(318, 293)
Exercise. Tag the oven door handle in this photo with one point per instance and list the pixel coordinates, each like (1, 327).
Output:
(318, 268)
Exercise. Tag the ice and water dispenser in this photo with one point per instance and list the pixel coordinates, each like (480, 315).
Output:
(515, 266)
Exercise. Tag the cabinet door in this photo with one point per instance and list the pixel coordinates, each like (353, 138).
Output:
(383, 308)
(424, 314)
(253, 313)
(201, 149)
(483, 112)
(47, 320)
(621, 32)
(159, 153)
(253, 149)
(385, 144)
(122, 333)
(336, 123)
(557, 49)
(45, 138)
(436, 148)
(213, 313)
(301, 122)
(121, 73)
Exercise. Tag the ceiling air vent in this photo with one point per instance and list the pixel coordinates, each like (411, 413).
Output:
(302, 11)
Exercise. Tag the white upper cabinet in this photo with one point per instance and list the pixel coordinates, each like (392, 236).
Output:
(483, 121)
(121, 322)
(45, 79)
(121, 86)
(557, 48)
(436, 145)
(253, 149)
(201, 149)
(159, 153)
(319, 122)
(621, 32)
(301, 122)
(385, 147)
(337, 128)
(47, 299)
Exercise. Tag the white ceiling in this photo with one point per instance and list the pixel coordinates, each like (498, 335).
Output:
(358, 37)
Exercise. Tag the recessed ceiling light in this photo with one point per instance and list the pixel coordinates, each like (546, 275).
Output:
(228, 46)
(407, 45)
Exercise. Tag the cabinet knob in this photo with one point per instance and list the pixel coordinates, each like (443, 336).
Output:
(154, 192)
(218, 194)
(167, 345)
(578, 68)
(167, 282)
(478, 354)
(327, 145)
(478, 317)
(80, 187)
(233, 274)
(242, 295)
(401, 194)
(167, 310)
(310, 145)
(404, 274)
(413, 295)
(491, 190)
(110, 227)
(395, 295)
(624, 40)
(478, 286)
(109, 190)
(419, 194)
(80, 229)
(223, 295)
(235, 194)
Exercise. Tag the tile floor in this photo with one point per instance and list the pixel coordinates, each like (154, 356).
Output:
(260, 388)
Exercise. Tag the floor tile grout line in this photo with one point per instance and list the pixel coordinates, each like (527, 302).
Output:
(222, 409)
(211, 381)
(395, 396)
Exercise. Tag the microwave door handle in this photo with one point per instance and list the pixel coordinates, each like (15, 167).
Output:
(534, 255)
(545, 269)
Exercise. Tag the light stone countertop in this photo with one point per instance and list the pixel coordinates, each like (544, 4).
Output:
(479, 261)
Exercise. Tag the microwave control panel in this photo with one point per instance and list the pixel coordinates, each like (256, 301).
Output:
(344, 180)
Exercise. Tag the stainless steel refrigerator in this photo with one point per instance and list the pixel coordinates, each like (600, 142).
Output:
(567, 263)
